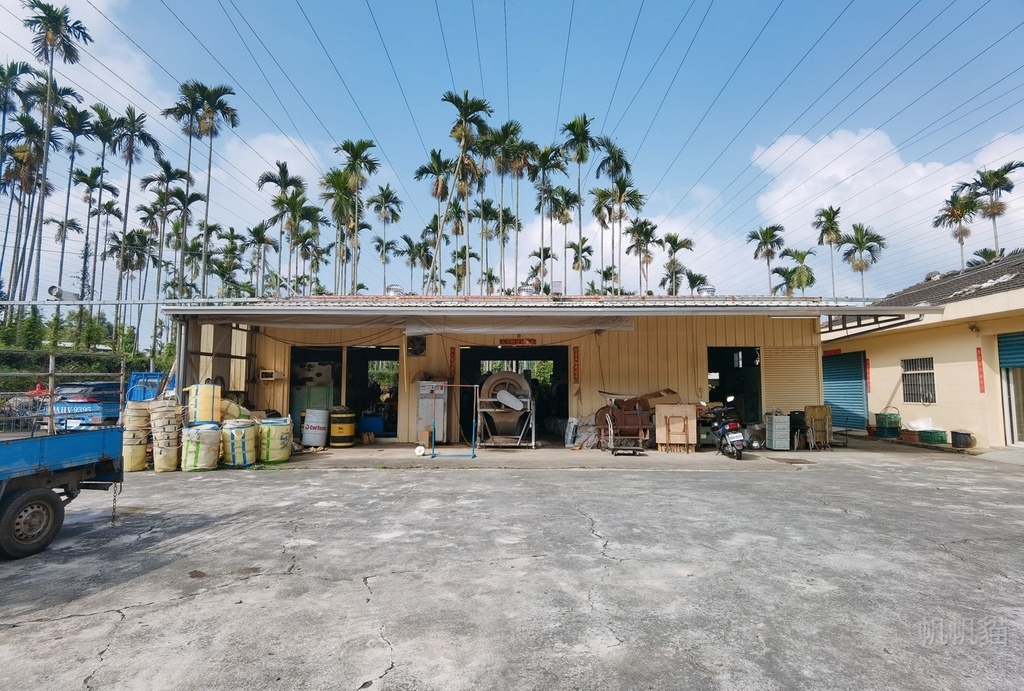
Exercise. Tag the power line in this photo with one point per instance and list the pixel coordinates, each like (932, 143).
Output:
(622, 66)
(444, 42)
(399, 81)
(359, 110)
(565, 61)
(754, 114)
(479, 59)
(267, 80)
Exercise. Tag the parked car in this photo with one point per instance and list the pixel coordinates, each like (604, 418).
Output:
(84, 404)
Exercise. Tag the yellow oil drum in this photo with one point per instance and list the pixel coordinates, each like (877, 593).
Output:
(343, 428)
(203, 404)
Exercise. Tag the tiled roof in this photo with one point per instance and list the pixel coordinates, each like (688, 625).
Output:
(998, 276)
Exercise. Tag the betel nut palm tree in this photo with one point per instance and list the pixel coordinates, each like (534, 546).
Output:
(769, 242)
(673, 244)
(388, 208)
(438, 170)
(470, 122)
(214, 112)
(802, 275)
(956, 213)
(54, 35)
(988, 186)
(186, 111)
(285, 183)
(359, 164)
(131, 140)
(863, 249)
(826, 222)
(578, 144)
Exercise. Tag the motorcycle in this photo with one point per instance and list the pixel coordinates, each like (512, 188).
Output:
(727, 431)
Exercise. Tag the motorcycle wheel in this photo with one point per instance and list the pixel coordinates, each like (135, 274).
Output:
(739, 454)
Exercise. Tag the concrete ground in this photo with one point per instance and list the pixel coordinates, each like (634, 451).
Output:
(878, 566)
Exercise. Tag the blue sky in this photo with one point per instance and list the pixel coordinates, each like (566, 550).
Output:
(735, 113)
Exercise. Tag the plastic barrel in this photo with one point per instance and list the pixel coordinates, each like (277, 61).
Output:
(239, 440)
(314, 429)
(203, 404)
(343, 428)
(200, 447)
(275, 440)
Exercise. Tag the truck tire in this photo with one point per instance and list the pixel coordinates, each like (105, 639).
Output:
(29, 520)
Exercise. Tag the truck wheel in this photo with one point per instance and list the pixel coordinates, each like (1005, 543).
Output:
(29, 520)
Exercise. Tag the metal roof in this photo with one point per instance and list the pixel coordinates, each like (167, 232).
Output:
(333, 310)
(998, 276)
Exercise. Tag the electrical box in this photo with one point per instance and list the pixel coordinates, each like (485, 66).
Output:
(432, 410)
(269, 375)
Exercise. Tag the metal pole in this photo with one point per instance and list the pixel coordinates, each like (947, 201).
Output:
(180, 357)
(51, 381)
(344, 375)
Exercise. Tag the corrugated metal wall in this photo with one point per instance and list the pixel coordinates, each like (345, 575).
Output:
(662, 352)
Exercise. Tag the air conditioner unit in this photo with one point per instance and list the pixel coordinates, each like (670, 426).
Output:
(269, 375)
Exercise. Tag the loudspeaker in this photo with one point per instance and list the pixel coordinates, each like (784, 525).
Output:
(416, 346)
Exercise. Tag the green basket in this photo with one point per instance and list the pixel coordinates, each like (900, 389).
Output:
(884, 419)
(933, 436)
(888, 432)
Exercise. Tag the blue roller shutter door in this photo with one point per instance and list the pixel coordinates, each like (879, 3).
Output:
(1011, 350)
(846, 389)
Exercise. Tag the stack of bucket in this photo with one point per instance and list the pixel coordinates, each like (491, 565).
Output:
(136, 435)
(165, 424)
(201, 439)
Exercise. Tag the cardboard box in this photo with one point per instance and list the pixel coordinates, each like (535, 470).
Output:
(676, 424)
(664, 397)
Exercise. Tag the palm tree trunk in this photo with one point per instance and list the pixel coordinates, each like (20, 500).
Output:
(501, 231)
(832, 266)
(159, 273)
(67, 209)
(84, 278)
(769, 262)
(46, 160)
(7, 228)
(579, 218)
(206, 211)
(96, 245)
(124, 238)
(183, 219)
(515, 286)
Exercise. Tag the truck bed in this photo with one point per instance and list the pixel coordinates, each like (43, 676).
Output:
(21, 457)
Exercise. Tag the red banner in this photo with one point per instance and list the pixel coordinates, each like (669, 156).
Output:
(981, 372)
(451, 364)
(867, 373)
(575, 364)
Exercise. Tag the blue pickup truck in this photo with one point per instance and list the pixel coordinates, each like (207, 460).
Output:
(40, 475)
(86, 404)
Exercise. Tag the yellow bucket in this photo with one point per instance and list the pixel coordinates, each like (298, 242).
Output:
(203, 404)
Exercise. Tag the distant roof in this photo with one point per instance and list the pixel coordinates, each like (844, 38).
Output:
(998, 276)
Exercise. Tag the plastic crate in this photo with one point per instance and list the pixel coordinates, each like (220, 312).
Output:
(933, 436)
(888, 432)
(884, 419)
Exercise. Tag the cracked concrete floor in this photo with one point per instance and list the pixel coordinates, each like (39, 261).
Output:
(889, 569)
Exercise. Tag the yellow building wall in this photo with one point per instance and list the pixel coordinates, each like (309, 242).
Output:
(662, 352)
(960, 402)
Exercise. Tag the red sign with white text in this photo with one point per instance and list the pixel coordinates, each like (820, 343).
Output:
(981, 372)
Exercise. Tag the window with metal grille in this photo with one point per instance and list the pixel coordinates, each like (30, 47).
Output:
(918, 380)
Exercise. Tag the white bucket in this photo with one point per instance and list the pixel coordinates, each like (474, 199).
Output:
(200, 448)
(275, 439)
(203, 404)
(314, 430)
(239, 441)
